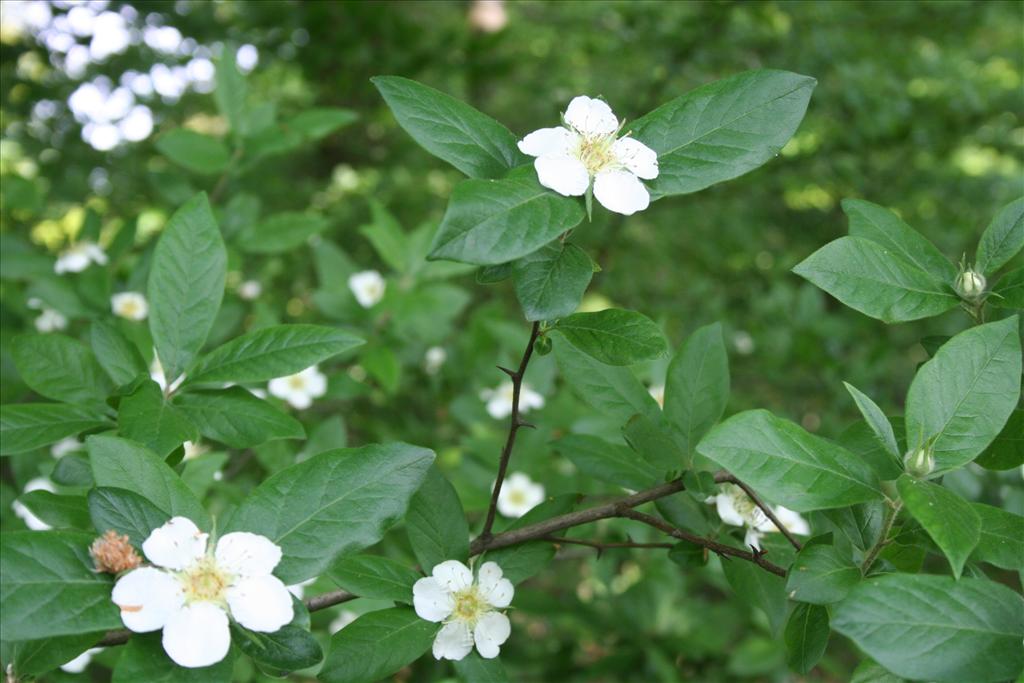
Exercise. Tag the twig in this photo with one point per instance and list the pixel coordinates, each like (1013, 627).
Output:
(883, 536)
(727, 478)
(601, 546)
(515, 423)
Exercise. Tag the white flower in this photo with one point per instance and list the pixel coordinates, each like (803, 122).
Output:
(78, 256)
(467, 608)
(488, 16)
(193, 589)
(433, 359)
(193, 449)
(368, 287)
(66, 445)
(79, 663)
(129, 305)
(519, 494)
(585, 149)
(50, 321)
(743, 342)
(156, 373)
(300, 389)
(737, 509)
(250, 289)
(344, 618)
(499, 401)
(657, 392)
(26, 515)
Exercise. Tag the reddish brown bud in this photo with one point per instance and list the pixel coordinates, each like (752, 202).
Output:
(113, 553)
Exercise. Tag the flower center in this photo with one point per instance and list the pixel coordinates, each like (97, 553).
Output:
(469, 605)
(516, 497)
(745, 506)
(205, 581)
(129, 308)
(296, 382)
(596, 153)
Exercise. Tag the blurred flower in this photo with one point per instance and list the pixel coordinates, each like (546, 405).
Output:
(299, 389)
(192, 590)
(250, 290)
(743, 342)
(344, 618)
(129, 305)
(657, 392)
(112, 553)
(299, 589)
(433, 359)
(368, 287)
(78, 256)
(26, 515)
(499, 401)
(519, 494)
(64, 446)
(81, 662)
(488, 16)
(156, 373)
(568, 158)
(50, 321)
(193, 450)
(737, 509)
(467, 608)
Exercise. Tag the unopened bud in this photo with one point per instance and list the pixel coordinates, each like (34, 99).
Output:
(970, 285)
(542, 346)
(113, 553)
(919, 462)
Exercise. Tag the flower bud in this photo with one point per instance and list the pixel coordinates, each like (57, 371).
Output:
(113, 553)
(542, 346)
(970, 285)
(919, 462)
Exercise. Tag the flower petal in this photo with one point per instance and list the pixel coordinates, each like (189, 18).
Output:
(548, 142)
(147, 598)
(793, 522)
(247, 554)
(431, 600)
(497, 591)
(637, 157)
(727, 512)
(260, 603)
(454, 641)
(197, 635)
(176, 544)
(316, 382)
(566, 176)
(591, 116)
(752, 539)
(492, 629)
(620, 191)
(453, 575)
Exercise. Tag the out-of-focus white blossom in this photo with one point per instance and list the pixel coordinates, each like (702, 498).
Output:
(299, 389)
(499, 400)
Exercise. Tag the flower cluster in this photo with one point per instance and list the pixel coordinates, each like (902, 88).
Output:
(737, 509)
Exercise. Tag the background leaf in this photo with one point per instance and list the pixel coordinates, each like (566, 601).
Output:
(806, 636)
(697, 386)
(376, 645)
(29, 426)
(125, 512)
(146, 417)
(1002, 239)
(436, 524)
(613, 336)
(60, 368)
(237, 418)
(949, 519)
(371, 576)
(550, 282)
(194, 151)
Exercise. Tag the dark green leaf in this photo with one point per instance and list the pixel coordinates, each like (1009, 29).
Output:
(29, 426)
(194, 151)
(319, 122)
(146, 417)
(116, 354)
(144, 659)
(613, 391)
(73, 470)
(1008, 291)
(876, 421)
(820, 575)
(806, 636)
(35, 657)
(1007, 450)
(697, 386)
(1002, 538)
(550, 282)
(288, 649)
(236, 418)
(59, 367)
(758, 588)
(475, 669)
(230, 90)
(949, 519)
(59, 511)
(372, 576)
(436, 524)
(609, 462)
(1002, 239)
(125, 512)
(281, 232)
(614, 336)
(376, 645)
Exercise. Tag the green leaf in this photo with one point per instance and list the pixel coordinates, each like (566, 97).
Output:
(524, 560)
(59, 511)
(194, 151)
(475, 669)
(820, 575)
(375, 577)
(49, 587)
(806, 637)
(59, 367)
(860, 439)
(1007, 450)
(144, 416)
(758, 588)
(387, 237)
(144, 659)
(723, 129)
(1002, 538)
(697, 386)
(1002, 239)
(613, 391)
(936, 628)
(281, 232)
(881, 225)
(450, 129)
(376, 645)
(1008, 291)
(614, 336)
(436, 524)
(36, 657)
(319, 122)
(230, 90)
(335, 503)
(949, 519)
(788, 465)
(876, 421)
(236, 418)
(124, 464)
(28, 426)
(73, 470)
(288, 649)
(961, 398)
(493, 221)
(116, 354)
(871, 672)
(186, 284)
(271, 352)
(657, 442)
(550, 282)
(876, 281)
(606, 461)
(125, 512)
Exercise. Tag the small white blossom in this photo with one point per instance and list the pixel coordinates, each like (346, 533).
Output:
(26, 515)
(193, 449)
(657, 392)
(519, 494)
(586, 149)
(737, 509)
(743, 342)
(250, 290)
(78, 257)
(157, 374)
(129, 305)
(66, 445)
(488, 16)
(81, 662)
(499, 401)
(51, 320)
(467, 608)
(299, 389)
(433, 359)
(368, 287)
(193, 589)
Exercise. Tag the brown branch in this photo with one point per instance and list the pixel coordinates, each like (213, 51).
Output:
(515, 423)
(727, 478)
(601, 546)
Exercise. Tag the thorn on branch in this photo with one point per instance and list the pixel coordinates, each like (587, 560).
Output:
(511, 373)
